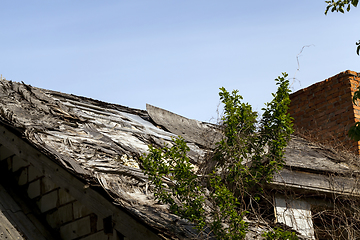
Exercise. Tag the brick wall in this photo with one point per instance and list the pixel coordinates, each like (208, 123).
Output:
(325, 109)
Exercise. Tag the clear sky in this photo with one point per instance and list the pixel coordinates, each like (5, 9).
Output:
(174, 54)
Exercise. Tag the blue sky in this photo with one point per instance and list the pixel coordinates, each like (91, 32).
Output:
(174, 54)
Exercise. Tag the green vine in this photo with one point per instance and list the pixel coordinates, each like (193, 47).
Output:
(245, 160)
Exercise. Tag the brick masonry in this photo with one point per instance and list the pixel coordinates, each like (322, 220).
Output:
(326, 111)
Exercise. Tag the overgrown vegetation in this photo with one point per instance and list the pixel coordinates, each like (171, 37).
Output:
(244, 161)
(232, 193)
(340, 219)
(279, 233)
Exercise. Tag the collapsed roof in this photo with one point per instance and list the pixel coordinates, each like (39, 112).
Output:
(101, 143)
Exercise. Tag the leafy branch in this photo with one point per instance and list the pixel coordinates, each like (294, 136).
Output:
(244, 162)
(339, 6)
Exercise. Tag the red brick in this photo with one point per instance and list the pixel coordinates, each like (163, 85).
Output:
(327, 106)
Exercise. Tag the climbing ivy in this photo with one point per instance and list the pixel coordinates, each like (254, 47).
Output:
(244, 161)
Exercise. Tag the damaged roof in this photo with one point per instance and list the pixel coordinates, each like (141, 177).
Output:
(101, 143)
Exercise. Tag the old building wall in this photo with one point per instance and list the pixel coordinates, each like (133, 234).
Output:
(325, 109)
(56, 208)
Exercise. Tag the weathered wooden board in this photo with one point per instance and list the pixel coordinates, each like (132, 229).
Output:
(192, 130)
(317, 182)
(295, 213)
(78, 141)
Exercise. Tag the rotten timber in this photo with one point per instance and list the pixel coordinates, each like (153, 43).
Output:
(84, 142)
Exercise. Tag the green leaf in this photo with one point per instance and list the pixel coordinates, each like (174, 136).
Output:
(354, 132)
(259, 143)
